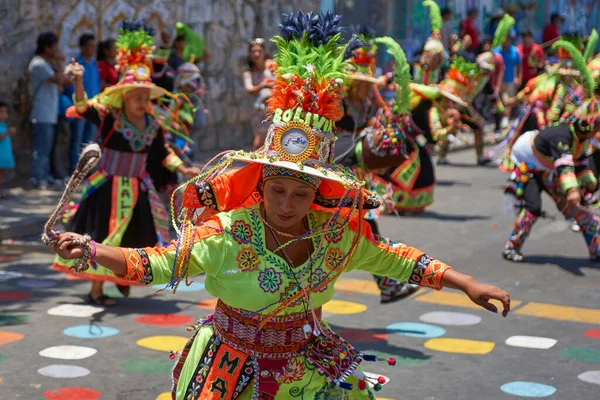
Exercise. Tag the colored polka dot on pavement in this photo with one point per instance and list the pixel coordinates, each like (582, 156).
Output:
(148, 365)
(361, 336)
(9, 337)
(592, 333)
(63, 371)
(75, 310)
(68, 352)
(164, 396)
(462, 346)
(531, 342)
(11, 295)
(165, 319)
(208, 304)
(90, 331)
(528, 389)
(2, 358)
(590, 377)
(342, 307)
(416, 329)
(163, 343)
(450, 318)
(7, 319)
(6, 275)
(36, 283)
(585, 354)
(194, 287)
(72, 393)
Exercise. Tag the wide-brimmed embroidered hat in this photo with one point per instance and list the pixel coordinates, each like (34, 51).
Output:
(463, 78)
(363, 63)
(306, 101)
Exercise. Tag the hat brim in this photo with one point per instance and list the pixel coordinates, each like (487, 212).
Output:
(355, 76)
(120, 89)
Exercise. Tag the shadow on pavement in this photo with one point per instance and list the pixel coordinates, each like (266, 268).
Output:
(569, 264)
(451, 217)
(449, 183)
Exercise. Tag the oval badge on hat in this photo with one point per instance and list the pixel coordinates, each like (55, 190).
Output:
(294, 141)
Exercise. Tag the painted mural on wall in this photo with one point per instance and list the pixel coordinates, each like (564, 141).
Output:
(226, 25)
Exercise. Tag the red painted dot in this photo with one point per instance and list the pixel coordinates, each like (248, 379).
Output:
(13, 295)
(593, 333)
(71, 393)
(165, 319)
(361, 336)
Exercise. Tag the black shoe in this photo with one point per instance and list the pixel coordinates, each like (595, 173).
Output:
(513, 255)
(398, 292)
(594, 258)
(483, 161)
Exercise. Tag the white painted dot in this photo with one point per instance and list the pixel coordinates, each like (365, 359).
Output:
(75, 310)
(63, 371)
(590, 377)
(450, 318)
(6, 275)
(373, 378)
(531, 342)
(68, 352)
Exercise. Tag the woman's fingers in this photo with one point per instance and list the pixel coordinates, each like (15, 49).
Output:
(502, 297)
(487, 305)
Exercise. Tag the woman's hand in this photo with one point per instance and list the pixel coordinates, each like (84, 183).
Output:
(481, 294)
(74, 71)
(190, 172)
(66, 248)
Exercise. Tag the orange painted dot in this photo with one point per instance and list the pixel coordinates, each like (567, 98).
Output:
(361, 336)
(9, 337)
(72, 393)
(208, 304)
(10, 295)
(592, 333)
(165, 319)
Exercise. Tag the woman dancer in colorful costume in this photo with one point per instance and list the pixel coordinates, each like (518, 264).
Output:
(553, 160)
(273, 265)
(120, 205)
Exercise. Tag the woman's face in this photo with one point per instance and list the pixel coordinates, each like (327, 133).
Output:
(111, 52)
(287, 201)
(136, 102)
(487, 46)
(257, 53)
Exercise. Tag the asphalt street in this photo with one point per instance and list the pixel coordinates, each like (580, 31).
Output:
(548, 346)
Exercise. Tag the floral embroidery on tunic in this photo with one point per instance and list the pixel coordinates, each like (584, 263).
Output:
(293, 372)
(316, 277)
(334, 235)
(247, 260)
(333, 258)
(242, 233)
(270, 280)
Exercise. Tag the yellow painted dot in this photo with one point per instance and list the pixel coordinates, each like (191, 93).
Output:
(463, 346)
(344, 307)
(164, 396)
(163, 343)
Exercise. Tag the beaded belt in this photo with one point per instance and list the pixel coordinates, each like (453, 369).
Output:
(280, 338)
(123, 163)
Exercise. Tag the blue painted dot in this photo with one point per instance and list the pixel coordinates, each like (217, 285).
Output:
(194, 287)
(528, 389)
(90, 331)
(416, 329)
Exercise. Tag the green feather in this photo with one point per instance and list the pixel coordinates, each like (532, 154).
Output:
(194, 45)
(503, 29)
(590, 48)
(133, 40)
(402, 73)
(467, 68)
(579, 63)
(435, 16)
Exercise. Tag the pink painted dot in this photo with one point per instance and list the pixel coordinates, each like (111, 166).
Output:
(361, 336)
(72, 393)
(592, 333)
(165, 319)
(11, 295)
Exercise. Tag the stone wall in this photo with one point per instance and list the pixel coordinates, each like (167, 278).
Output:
(226, 25)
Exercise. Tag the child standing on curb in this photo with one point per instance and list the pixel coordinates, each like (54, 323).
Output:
(6, 155)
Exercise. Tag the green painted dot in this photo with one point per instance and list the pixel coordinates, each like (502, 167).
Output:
(2, 358)
(584, 354)
(148, 365)
(404, 357)
(7, 319)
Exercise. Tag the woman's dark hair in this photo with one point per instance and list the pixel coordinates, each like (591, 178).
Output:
(484, 41)
(85, 38)
(3, 104)
(102, 47)
(257, 42)
(44, 41)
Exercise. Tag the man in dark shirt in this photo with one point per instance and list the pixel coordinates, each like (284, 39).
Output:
(554, 160)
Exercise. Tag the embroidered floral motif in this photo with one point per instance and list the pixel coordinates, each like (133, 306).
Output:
(270, 280)
(242, 232)
(317, 276)
(247, 260)
(293, 372)
(334, 235)
(333, 258)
